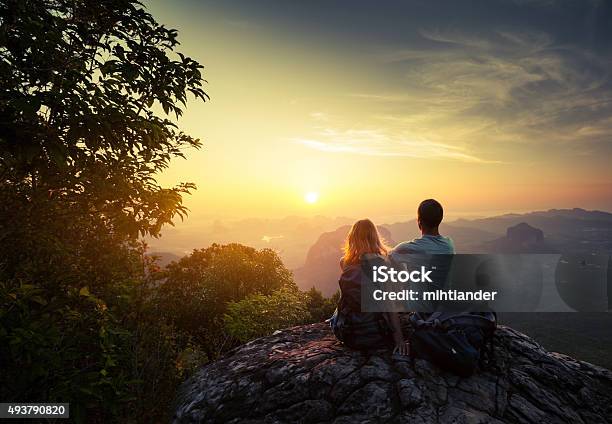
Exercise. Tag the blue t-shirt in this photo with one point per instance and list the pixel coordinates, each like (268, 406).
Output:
(428, 245)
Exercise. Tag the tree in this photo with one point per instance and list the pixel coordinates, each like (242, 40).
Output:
(91, 92)
(258, 315)
(82, 130)
(194, 291)
(320, 307)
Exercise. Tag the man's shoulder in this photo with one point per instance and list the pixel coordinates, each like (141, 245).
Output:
(425, 245)
(443, 245)
(451, 243)
(412, 246)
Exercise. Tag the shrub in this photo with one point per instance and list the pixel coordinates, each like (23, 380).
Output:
(259, 315)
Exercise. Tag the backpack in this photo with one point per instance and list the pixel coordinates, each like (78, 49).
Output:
(358, 330)
(454, 342)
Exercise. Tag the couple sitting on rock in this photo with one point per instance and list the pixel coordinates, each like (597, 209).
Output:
(364, 239)
(452, 339)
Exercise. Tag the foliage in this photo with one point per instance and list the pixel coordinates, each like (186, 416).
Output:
(196, 289)
(67, 345)
(258, 315)
(85, 124)
(320, 307)
(81, 85)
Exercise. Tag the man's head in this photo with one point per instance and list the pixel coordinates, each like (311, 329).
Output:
(429, 216)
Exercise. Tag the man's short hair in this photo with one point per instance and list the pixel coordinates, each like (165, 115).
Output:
(430, 213)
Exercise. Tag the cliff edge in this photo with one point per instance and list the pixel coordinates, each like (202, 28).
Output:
(304, 375)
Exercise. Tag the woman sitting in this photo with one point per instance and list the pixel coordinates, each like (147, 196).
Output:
(357, 329)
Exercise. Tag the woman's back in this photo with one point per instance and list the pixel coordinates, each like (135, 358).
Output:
(358, 329)
(363, 249)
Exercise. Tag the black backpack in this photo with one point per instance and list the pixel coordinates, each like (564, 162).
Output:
(358, 330)
(454, 342)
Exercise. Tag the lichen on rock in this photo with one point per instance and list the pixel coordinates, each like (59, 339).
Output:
(304, 375)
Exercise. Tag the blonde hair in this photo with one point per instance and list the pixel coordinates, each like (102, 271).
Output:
(362, 238)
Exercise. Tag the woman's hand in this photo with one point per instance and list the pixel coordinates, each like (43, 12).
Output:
(402, 348)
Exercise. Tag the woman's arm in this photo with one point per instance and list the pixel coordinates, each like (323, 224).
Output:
(401, 346)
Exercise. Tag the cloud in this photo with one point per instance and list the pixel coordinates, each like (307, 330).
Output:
(375, 142)
(455, 37)
(319, 116)
(502, 86)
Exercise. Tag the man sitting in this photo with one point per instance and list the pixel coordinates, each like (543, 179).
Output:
(415, 253)
(429, 217)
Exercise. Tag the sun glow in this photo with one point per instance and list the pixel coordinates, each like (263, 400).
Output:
(311, 197)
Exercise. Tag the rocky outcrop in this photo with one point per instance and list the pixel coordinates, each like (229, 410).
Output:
(303, 375)
(524, 233)
(520, 238)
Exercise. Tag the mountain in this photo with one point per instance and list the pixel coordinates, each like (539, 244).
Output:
(322, 266)
(567, 230)
(548, 220)
(571, 230)
(520, 238)
(164, 258)
(304, 375)
(575, 231)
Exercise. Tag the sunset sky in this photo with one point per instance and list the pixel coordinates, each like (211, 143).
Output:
(370, 107)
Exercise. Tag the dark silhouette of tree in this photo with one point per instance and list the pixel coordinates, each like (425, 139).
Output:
(84, 85)
(90, 92)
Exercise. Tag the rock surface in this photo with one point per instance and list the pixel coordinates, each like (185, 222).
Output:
(303, 375)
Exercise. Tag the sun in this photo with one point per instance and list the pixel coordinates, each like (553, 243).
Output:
(311, 197)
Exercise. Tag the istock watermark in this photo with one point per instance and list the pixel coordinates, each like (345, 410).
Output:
(479, 282)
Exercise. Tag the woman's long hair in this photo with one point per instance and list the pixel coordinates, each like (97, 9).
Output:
(363, 238)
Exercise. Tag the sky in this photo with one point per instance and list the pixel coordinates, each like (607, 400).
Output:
(487, 106)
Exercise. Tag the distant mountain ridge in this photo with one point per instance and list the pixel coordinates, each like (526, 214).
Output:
(293, 236)
(556, 230)
(566, 230)
(552, 220)
(290, 236)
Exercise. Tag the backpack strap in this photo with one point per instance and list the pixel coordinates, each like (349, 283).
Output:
(487, 323)
(420, 320)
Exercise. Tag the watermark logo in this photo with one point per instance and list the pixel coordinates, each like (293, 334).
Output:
(480, 282)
